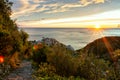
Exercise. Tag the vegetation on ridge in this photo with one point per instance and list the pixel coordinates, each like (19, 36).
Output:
(56, 62)
(13, 43)
(104, 47)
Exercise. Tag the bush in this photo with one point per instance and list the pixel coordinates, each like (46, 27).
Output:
(39, 53)
(93, 68)
(48, 72)
(63, 61)
(59, 64)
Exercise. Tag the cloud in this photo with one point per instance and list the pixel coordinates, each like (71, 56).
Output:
(87, 2)
(99, 1)
(101, 18)
(83, 3)
(70, 24)
(68, 6)
(38, 1)
(47, 6)
(28, 8)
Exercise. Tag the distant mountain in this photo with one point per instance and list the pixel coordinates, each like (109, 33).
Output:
(103, 47)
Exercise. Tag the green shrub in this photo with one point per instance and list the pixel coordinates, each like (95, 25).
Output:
(39, 54)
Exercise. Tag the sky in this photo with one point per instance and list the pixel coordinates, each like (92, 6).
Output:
(66, 13)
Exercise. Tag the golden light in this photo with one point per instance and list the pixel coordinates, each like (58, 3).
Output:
(97, 26)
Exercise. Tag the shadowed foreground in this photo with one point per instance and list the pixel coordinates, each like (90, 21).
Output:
(22, 73)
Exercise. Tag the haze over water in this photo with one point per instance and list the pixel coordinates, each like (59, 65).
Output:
(76, 37)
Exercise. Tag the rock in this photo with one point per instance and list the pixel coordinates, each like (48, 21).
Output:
(70, 47)
(50, 41)
(22, 73)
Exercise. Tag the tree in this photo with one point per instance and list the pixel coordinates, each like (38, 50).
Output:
(12, 40)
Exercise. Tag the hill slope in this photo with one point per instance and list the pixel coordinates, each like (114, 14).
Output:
(103, 47)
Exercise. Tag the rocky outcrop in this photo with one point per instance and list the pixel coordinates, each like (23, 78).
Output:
(70, 47)
(50, 41)
(53, 42)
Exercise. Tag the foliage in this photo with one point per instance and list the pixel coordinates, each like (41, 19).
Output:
(61, 65)
(62, 61)
(93, 68)
(39, 53)
(116, 54)
(48, 72)
(103, 47)
(13, 43)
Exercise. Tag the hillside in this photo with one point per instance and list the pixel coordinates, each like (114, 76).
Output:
(53, 60)
(103, 47)
(13, 42)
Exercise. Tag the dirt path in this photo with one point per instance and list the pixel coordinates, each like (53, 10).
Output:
(22, 73)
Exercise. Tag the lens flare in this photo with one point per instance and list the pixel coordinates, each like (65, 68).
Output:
(1, 59)
(35, 47)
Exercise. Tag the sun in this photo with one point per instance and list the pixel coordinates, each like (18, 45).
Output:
(97, 26)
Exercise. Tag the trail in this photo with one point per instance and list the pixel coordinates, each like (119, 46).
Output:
(24, 72)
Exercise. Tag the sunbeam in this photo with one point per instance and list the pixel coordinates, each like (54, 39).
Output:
(109, 48)
(96, 33)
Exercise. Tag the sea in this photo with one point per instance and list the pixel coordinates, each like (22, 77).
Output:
(76, 37)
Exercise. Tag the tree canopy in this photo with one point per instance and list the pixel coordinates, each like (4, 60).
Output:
(12, 40)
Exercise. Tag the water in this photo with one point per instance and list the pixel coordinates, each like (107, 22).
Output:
(77, 37)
